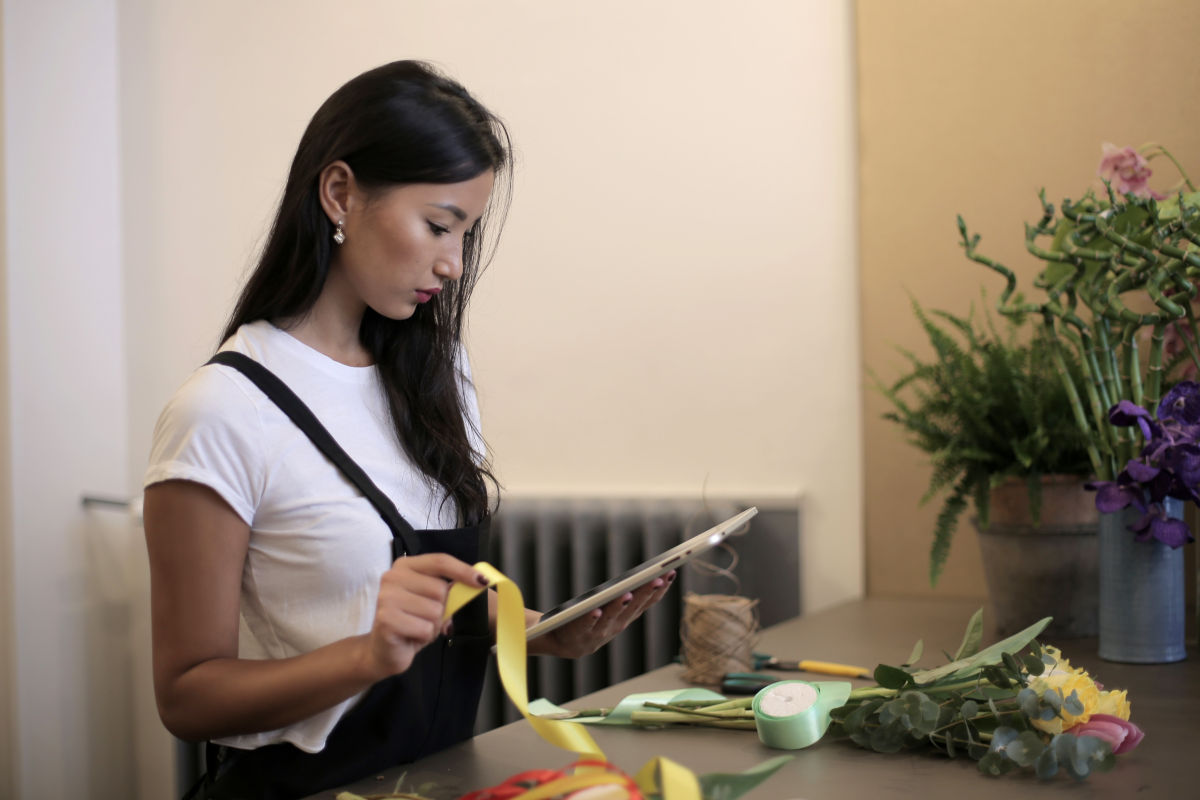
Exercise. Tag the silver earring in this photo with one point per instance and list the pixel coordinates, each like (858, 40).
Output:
(339, 235)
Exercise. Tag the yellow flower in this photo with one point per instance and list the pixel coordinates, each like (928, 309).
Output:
(1115, 703)
(1066, 679)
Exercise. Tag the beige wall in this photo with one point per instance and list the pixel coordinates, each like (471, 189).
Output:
(971, 108)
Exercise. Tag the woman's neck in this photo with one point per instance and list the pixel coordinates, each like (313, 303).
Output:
(331, 326)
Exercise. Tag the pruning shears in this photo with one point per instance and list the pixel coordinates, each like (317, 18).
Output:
(764, 661)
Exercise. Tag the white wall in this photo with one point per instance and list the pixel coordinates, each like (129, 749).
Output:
(8, 732)
(66, 383)
(674, 298)
(673, 305)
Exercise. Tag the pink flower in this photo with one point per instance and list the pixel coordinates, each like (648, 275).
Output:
(1122, 735)
(1127, 170)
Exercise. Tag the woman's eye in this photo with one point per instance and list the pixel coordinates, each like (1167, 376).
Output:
(438, 230)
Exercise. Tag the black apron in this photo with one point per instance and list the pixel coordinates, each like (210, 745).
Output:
(427, 708)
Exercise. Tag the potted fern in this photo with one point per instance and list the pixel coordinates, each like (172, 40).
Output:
(991, 410)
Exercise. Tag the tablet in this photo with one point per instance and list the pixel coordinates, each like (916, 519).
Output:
(643, 573)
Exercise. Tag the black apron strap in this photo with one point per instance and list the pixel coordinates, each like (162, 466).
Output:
(404, 542)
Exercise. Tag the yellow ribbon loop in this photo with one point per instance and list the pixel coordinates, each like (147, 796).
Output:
(677, 783)
(510, 659)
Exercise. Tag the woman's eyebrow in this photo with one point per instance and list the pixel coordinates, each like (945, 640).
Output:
(453, 209)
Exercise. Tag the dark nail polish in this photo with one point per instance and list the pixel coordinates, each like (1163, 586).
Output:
(480, 579)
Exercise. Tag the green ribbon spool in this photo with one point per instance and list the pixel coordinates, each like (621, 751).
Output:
(790, 715)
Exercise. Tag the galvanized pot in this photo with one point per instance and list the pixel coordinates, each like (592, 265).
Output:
(1044, 569)
(1141, 593)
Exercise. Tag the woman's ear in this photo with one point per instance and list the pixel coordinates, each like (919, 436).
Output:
(335, 187)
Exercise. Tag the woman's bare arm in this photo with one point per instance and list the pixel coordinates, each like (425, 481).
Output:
(197, 547)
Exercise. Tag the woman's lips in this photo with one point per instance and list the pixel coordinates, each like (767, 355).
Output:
(425, 295)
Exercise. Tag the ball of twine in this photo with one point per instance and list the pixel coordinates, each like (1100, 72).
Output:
(718, 636)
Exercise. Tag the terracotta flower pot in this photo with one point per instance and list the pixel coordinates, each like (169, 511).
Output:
(1050, 569)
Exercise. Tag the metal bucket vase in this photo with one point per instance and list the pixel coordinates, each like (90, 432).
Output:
(1141, 593)
(1048, 569)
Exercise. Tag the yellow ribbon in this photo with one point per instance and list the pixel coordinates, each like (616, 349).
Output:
(677, 782)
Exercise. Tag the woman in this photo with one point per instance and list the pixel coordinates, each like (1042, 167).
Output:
(285, 631)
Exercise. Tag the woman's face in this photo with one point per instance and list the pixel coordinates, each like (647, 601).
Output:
(404, 243)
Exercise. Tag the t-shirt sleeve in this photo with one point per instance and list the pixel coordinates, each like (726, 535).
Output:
(210, 433)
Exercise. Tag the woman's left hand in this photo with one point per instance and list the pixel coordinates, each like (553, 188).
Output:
(586, 635)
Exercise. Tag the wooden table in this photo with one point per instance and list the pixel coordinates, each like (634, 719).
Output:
(1165, 698)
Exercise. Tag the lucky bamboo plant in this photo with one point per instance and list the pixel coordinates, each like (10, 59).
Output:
(1122, 266)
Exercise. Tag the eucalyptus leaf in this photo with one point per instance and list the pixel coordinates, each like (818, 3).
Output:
(996, 676)
(988, 656)
(1086, 750)
(1014, 666)
(1025, 749)
(730, 786)
(889, 738)
(995, 763)
(1033, 664)
(892, 677)
(1002, 736)
(969, 709)
(1073, 704)
(1046, 765)
(946, 715)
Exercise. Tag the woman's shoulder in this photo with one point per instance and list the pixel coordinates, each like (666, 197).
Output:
(211, 403)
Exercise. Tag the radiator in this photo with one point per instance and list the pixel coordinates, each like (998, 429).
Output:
(556, 549)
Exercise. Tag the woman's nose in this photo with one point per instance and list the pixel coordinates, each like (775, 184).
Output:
(450, 264)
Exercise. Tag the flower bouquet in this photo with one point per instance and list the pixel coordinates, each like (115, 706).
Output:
(1017, 705)
(1167, 468)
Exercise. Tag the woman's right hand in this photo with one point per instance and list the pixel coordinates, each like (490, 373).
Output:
(408, 613)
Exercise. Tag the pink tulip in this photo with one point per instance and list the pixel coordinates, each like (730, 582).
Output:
(1121, 734)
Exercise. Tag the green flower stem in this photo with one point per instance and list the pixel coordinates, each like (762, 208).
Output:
(1108, 362)
(969, 244)
(1155, 367)
(1126, 283)
(1126, 244)
(1189, 257)
(651, 718)
(709, 705)
(1154, 287)
(1092, 385)
(703, 712)
(869, 692)
(1154, 149)
(1190, 342)
(1133, 365)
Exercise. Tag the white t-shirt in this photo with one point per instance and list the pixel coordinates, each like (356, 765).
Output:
(317, 547)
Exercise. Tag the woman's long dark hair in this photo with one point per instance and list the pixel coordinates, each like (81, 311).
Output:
(400, 123)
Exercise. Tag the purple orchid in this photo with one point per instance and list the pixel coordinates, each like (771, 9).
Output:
(1168, 466)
